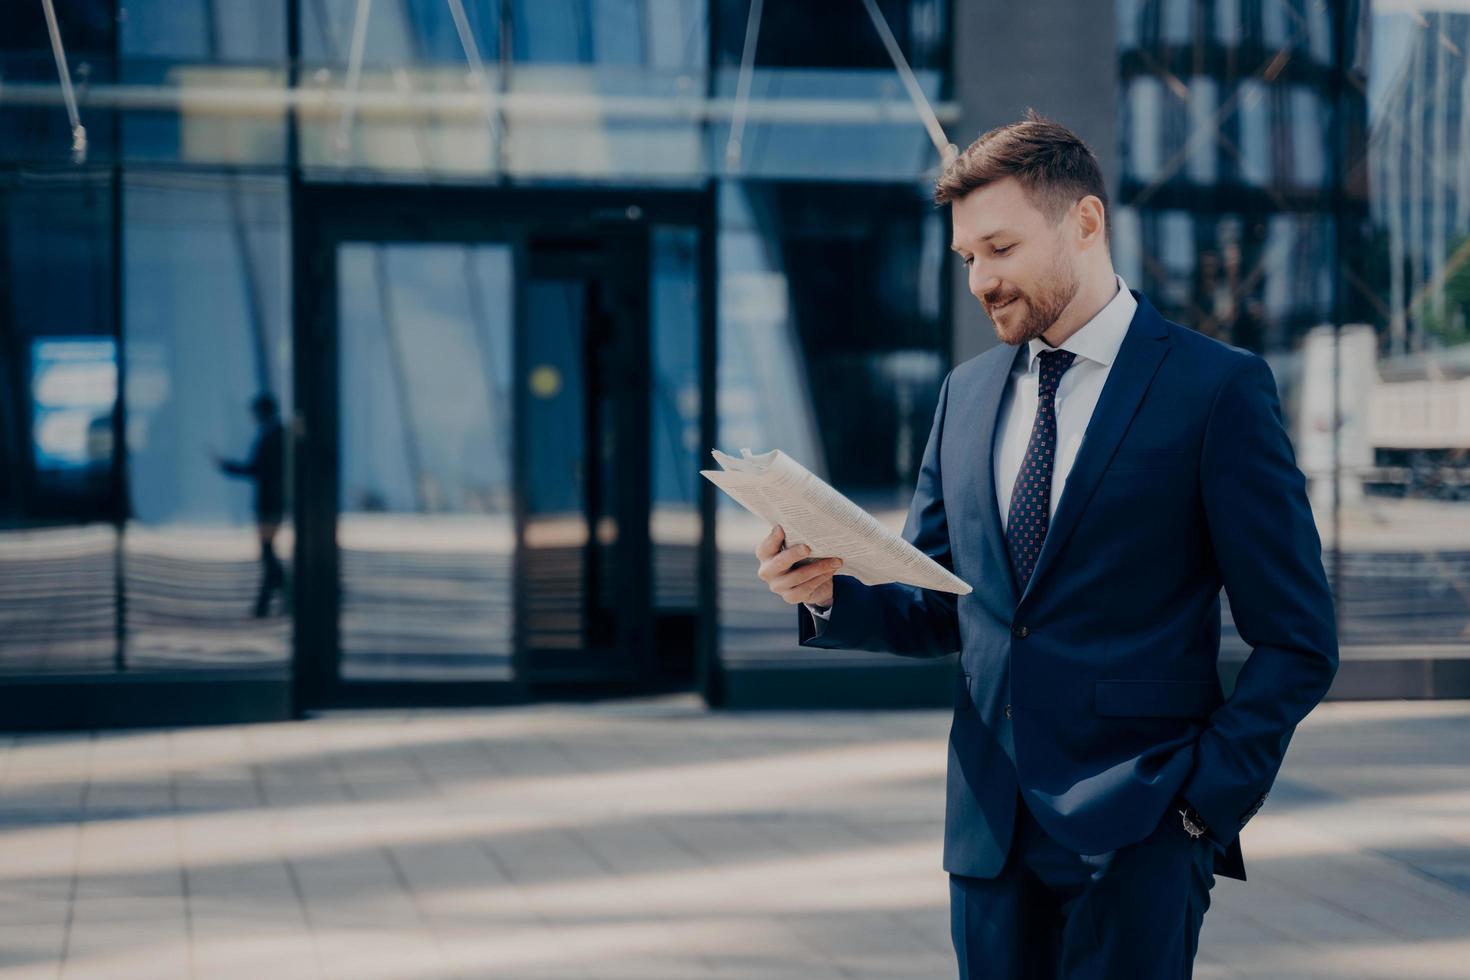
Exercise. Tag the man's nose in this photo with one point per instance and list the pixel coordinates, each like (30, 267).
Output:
(982, 282)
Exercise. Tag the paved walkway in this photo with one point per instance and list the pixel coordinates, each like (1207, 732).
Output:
(650, 840)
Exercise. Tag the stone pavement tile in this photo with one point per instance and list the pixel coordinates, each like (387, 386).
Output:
(143, 845)
(450, 877)
(1355, 961)
(929, 925)
(491, 951)
(25, 943)
(869, 945)
(254, 953)
(216, 788)
(1376, 891)
(1310, 922)
(34, 971)
(127, 951)
(624, 845)
(127, 797)
(26, 912)
(352, 891)
(227, 900)
(46, 796)
(381, 953)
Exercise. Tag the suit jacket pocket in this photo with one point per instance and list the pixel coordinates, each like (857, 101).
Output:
(1156, 699)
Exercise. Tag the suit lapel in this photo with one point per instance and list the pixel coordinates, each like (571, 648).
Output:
(1144, 348)
(985, 410)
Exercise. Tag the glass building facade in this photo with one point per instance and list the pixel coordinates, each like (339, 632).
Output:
(371, 353)
(1295, 179)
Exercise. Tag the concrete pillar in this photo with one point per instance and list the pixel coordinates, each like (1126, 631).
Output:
(1058, 57)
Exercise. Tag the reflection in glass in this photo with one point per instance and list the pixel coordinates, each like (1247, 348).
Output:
(677, 455)
(597, 89)
(1331, 235)
(426, 525)
(207, 371)
(265, 467)
(825, 303)
(58, 390)
(586, 429)
(32, 127)
(208, 79)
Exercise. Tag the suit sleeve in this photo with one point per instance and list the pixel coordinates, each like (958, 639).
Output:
(895, 618)
(1269, 557)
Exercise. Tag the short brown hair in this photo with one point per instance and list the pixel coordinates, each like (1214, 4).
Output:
(1051, 162)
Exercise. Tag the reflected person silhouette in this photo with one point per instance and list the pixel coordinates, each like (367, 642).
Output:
(265, 466)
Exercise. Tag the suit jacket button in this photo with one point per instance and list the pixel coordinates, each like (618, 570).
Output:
(1022, 630)
(1008, 711)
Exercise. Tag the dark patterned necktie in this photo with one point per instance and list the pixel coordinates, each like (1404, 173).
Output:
(1030, 509)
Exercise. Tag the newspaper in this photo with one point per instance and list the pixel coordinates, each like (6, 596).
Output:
(779, 490)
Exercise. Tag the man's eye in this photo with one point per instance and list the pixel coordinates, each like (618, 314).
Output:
(967, 259)
(1002, 251)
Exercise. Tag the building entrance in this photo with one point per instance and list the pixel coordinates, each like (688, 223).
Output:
(474, 449)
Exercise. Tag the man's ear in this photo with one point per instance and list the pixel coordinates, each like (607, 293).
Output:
(1091, 220)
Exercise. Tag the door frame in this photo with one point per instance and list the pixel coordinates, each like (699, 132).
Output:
(327, 214)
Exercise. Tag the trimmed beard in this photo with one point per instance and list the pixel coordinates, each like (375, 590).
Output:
(1052, 298)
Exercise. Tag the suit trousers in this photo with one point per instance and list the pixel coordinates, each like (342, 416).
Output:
(1052, 914)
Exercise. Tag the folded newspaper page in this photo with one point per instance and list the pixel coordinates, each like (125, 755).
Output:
(779, 490)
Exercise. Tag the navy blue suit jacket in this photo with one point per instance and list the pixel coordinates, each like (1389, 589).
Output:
(1095, 692)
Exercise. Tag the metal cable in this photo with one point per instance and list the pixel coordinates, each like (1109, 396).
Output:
(78, 131)
(477, 69)
(742, 86)
(947, 150)
(354, 75)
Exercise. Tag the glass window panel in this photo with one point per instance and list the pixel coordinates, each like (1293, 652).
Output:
(1255, 157)
(1228, 22)
(208, 81)
(34, 126)
(1176, 18)
(849, 125)
(1280, 24)
(1318, 26)
(1309, 137)
(1204, 146)
(1362, 312)
(1130, 14)
(677, 454)
(821, 307)
(1145, 96)
(58, 387)
(210, 539)
(426, 527)
(203, 30)
(397, 35)
(812, 35)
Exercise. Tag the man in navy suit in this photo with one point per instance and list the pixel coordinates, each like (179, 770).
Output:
(1098, 476)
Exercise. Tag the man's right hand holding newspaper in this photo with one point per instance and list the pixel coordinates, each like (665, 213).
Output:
(792, 573)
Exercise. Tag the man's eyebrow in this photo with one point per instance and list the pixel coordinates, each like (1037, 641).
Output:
(984, 238)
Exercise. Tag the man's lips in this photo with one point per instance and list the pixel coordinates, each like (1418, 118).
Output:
(997, 307)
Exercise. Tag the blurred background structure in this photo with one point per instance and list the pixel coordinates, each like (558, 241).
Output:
(507, 269)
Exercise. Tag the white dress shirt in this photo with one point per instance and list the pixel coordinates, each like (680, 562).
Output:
(1096, 345)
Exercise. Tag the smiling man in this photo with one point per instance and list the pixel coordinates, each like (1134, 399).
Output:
(1098, 476)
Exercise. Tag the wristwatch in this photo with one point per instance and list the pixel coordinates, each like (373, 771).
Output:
(1194, 824)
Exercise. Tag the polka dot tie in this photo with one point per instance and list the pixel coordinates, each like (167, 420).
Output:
(1030, 511)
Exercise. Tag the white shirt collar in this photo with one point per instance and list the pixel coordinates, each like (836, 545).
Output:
(1099, 338)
